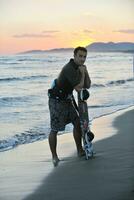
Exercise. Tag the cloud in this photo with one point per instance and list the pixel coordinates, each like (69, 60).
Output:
(43, 34)
(51, 31)
(27, 35)
(87, 31)
(128, 31)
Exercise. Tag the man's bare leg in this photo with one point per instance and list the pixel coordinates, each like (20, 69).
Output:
(78, 138)
(53, 147)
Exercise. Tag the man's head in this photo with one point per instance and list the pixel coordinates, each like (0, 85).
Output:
(80, 54)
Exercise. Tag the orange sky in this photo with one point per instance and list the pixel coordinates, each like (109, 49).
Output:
(46, 24)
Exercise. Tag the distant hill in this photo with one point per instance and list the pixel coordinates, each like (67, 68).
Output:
(94, 47)
(111, 47)
(44, 51)
(31, 52)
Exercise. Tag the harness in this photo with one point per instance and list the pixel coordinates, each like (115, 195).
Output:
(58, 93)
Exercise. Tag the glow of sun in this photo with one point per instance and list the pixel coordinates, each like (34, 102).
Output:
(82, 43)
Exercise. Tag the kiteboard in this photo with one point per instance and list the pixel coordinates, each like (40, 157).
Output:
(87, 135)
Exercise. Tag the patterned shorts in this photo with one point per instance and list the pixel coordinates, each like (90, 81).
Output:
(61, 114)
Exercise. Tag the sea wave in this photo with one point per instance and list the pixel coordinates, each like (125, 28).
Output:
(14, 61)
(18, 139)
(9, 63)
(95, 85)
(100, 106)
(28, 59)
(9, 79)
(15, 99)
(113, 83)
(120, 82)
(37, 60)
(110, 105)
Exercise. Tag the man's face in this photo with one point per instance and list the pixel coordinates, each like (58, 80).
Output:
(80, 57)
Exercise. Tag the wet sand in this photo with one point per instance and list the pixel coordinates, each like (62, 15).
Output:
(27, 173)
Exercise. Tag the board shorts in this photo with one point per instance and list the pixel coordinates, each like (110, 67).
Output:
(61, 114)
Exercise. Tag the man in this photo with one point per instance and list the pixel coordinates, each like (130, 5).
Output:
(73, 75)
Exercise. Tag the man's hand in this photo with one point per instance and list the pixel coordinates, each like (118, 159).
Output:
(87, 81)
(82, 69)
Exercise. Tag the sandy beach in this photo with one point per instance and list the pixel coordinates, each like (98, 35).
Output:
(27, 173)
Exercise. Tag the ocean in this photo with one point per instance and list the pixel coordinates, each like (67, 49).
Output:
(25, 79)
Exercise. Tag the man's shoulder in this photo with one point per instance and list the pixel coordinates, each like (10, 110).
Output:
(69, 65)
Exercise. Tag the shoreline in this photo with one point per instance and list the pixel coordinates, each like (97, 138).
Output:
(16, 145)
(32, 172)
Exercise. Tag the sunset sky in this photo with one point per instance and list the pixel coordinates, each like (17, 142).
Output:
(46, 24)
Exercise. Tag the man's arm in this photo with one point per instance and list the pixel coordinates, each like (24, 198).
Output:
(81, 84)
(87, 81)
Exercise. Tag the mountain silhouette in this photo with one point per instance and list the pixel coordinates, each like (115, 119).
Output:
(111, 46)
(94, 47)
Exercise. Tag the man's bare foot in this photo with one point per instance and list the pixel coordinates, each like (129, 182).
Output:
(55, 161)
(81, 153)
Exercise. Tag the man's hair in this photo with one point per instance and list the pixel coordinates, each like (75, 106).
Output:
(79, 49)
